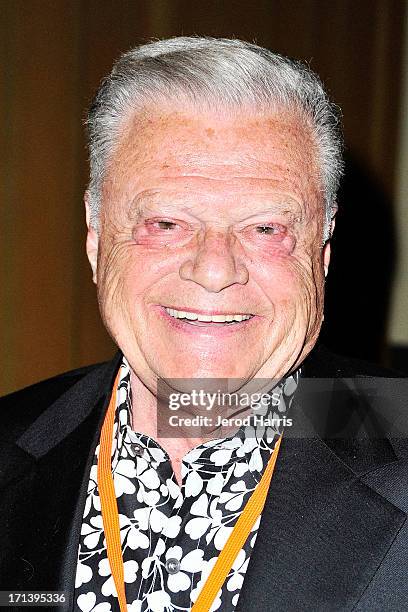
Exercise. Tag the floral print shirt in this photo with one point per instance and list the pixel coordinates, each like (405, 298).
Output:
(171, 535)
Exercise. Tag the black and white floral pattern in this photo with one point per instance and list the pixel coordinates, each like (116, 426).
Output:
(161, 521)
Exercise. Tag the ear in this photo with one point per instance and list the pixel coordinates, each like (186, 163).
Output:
(92, 240)
(327, 248)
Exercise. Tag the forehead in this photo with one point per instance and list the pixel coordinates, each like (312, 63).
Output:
(191, 137)
(187, 151)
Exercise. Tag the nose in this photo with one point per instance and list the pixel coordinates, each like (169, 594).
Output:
(214, 266)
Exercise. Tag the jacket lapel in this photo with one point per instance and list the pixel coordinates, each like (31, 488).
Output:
(322, 536)
(43, 487)
(323, 532)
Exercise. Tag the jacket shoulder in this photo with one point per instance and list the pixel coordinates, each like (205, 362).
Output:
(20, 408)
(323, 363)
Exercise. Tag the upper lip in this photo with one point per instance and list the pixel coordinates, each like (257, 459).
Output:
(209, 312)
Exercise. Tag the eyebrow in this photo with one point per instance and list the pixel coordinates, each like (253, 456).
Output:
(135, 206)
(287, 208)
(282, 208)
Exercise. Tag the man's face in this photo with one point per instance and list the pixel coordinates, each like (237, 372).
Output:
(209, 215)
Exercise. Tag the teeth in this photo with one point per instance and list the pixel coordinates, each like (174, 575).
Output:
(191, 316)
(205, 318)
(195, 316)
(219, 318)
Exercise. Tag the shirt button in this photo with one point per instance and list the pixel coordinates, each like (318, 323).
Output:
(173, 566)
(137, 449)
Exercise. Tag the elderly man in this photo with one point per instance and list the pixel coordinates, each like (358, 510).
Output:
(211, 203)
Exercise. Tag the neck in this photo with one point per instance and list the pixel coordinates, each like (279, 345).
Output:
(144, 420)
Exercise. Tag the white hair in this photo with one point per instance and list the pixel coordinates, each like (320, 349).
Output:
(217, 73)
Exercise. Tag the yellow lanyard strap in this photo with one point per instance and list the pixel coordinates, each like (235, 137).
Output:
(237, 538)
(110, 518)
(109, 505)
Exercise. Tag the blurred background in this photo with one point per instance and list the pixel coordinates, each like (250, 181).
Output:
(53, 54)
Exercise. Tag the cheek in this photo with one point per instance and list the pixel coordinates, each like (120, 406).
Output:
(127, 276)
(114, 269)
(290, 281)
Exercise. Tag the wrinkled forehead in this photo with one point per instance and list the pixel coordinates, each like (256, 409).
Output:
(228, 152)
(196, 136)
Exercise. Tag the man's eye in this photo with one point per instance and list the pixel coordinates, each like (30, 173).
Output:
(165, 225)
(268, 230)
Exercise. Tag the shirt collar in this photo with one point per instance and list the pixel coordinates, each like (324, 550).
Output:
(239, 445)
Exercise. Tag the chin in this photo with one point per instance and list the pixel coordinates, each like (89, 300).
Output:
(200, 371)
(193, 365)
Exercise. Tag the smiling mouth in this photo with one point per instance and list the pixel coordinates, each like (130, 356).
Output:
(201, 319)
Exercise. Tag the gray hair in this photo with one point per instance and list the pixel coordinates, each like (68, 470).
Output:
(214, 73)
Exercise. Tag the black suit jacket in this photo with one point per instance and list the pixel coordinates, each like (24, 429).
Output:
(333, 534)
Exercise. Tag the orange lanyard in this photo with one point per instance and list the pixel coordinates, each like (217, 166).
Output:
(110, 517)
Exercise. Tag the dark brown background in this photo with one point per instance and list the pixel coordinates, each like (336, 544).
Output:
(53, 55)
